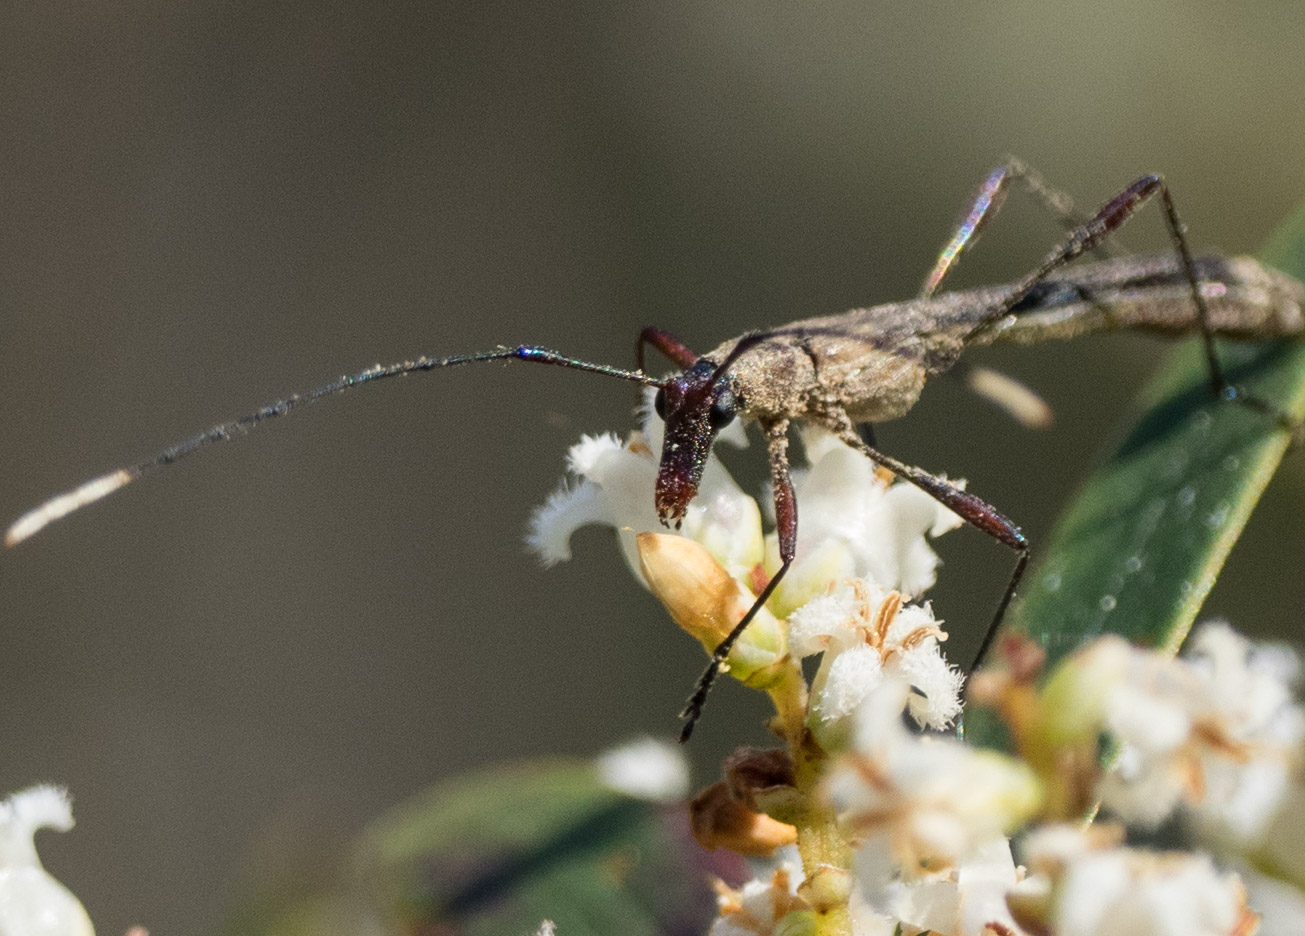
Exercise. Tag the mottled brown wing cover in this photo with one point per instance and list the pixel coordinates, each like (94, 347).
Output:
(872, 363)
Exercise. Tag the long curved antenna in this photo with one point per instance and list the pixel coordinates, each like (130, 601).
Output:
(60, 506)
(746, 341)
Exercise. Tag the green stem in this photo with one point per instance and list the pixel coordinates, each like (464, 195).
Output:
(826, 854)
(826, 863)
(789, 696)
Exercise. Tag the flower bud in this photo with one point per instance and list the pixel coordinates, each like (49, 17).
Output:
(707, 603)
(719, 820)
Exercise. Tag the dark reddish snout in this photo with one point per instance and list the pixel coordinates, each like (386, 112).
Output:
(676, 488)
(695, 405)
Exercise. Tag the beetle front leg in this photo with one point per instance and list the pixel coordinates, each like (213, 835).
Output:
(973, 510)
(786, 527)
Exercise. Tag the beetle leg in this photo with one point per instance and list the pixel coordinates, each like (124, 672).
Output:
(970, 508)
(786, 526)
(987, 202)
(1092, 233)
(667, 344)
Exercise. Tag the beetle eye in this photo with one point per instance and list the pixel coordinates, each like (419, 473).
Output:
(723, 410)
(659, 403)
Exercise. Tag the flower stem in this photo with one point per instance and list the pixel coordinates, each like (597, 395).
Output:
(826, 854)
(789, 696)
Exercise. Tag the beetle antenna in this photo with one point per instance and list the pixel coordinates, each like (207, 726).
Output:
(61, 505)
(749, 340)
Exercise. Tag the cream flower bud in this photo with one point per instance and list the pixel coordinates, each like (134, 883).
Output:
(706, 602)
(1077, 693)
(32, 903)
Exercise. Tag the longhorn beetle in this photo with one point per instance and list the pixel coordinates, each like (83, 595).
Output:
(870, 365)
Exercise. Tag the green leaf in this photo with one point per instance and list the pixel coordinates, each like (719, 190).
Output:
(499, 851)
(1140, 547)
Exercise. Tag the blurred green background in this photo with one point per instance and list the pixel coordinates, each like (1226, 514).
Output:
(206, 205)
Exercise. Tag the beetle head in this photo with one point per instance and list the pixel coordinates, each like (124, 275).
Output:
(695, 404)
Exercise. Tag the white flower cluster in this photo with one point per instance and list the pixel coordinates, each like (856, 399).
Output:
(1213, 735)
(1088, 885)
(923, 818)
(924, 864)
(861, 554)
(918, 805)
(1076, 881)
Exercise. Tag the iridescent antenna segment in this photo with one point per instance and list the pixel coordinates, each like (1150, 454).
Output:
(987, 201)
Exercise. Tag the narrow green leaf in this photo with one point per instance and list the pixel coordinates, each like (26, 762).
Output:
(1142, 544)
(1140, 547)
(501, 850)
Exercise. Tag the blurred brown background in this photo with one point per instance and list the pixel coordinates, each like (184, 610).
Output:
(205, 205)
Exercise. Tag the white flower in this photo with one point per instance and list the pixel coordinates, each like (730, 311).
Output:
(1214, 732)
(759, 908)
(967, 900)
(867, 635)
(614, 486)
(773, 908)
(921, 804)
(32, 903)
(1281, 907)
(855, 524)
(866, 921)
(646, 769)
(1085, 885)
(1251, 777)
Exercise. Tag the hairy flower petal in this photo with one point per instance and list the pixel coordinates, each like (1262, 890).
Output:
(32, 903)
(936, 701)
